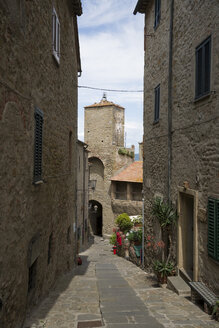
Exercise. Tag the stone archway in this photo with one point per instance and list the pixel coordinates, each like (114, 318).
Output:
(96, 217)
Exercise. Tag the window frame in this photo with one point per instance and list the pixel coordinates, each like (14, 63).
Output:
(157, 13)
(157, 104)
(213, 228)
(55, 36)
(38, 143)
(201, 77)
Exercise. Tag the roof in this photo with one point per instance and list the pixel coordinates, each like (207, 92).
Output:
(132, 173)
(77, 7)
(141, 6)
(104, 103)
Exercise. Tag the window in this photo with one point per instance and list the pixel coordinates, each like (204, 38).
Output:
(156, 103)
(157, 13)
(50, 248)
(56, 36)
(213, 228)
(69, 235)
(38, 145)
(203, 68)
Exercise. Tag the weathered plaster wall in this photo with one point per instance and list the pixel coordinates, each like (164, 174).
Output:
(30, 77)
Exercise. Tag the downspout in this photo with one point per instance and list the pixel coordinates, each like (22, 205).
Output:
(170, 76)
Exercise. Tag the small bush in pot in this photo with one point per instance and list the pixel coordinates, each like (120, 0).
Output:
(124, 222)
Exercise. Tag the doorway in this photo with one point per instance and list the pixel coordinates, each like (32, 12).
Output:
(96, 217)
(187, 234)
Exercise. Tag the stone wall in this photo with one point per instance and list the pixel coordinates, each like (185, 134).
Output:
(36, 222)
(104, 134)
(195, 125)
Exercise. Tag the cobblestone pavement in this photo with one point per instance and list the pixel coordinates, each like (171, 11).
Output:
(109, 291)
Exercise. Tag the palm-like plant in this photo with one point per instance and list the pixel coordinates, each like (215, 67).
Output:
(164, 213)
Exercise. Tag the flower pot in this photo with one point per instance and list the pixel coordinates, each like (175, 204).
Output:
(161, 279)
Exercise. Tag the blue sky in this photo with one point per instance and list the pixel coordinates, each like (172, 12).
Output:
(111, 47)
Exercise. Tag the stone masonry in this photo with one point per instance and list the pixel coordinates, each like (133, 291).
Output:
(193, 135)
(36, 220)
(104, 134)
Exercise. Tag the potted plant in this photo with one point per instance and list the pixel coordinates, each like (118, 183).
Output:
(163, 269)
(215, 313)
(137, 221)
(124, 222)
(135, 237)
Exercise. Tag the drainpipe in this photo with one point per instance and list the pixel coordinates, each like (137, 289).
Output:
(170, 75)
(142, 264)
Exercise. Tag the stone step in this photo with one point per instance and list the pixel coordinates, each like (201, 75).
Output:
(179, 286)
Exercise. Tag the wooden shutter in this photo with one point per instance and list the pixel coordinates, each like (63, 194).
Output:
(157, 103)
(217, 230)
(38, 145)
(212, 227)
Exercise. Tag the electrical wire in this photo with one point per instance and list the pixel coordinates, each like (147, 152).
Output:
(113, 90)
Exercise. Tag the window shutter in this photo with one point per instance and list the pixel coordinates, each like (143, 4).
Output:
(217, 230)
(211, 227)
(38, 145)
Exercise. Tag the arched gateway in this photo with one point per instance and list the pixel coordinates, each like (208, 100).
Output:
(96, 217)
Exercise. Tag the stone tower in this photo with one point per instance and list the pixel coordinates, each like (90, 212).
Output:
(104, 134)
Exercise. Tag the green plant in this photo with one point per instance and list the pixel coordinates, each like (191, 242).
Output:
(135, 236)
(124, 151)
(216, 309)
(113, 239)
(137, 220)
(124, 222)
(164, 268)
(164, 213)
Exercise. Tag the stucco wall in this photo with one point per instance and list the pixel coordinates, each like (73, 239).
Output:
(29, 76)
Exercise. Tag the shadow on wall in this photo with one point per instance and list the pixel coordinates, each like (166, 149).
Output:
(61, 285)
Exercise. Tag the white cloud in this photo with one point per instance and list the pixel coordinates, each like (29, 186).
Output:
(111, 46)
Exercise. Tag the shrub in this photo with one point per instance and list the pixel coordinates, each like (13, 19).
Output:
(124, 222)
(124, 151)
(113, 239)
(135, 236)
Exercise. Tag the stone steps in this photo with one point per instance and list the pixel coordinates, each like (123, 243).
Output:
(179, 286)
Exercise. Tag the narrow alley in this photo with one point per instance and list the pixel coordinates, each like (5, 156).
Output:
(109, 291)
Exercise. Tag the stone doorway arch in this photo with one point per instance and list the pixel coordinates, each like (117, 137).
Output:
(96, 217)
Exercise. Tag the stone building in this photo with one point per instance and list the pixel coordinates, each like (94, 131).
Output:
(39, 70)
(83, 226)
(181, 126)
(126, 190)
(104, 134)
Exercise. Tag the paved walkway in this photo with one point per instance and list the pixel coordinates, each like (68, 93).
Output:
(108, 291)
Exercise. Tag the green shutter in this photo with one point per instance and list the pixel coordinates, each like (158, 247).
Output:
(212, 227)
(217, 230)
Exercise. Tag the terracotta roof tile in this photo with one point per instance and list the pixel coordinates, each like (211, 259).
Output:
(103, 103)
(133, 173)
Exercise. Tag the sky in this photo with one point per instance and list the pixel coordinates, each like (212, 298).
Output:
(112, 57)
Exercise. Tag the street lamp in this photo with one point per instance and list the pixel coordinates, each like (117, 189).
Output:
(92, 184)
